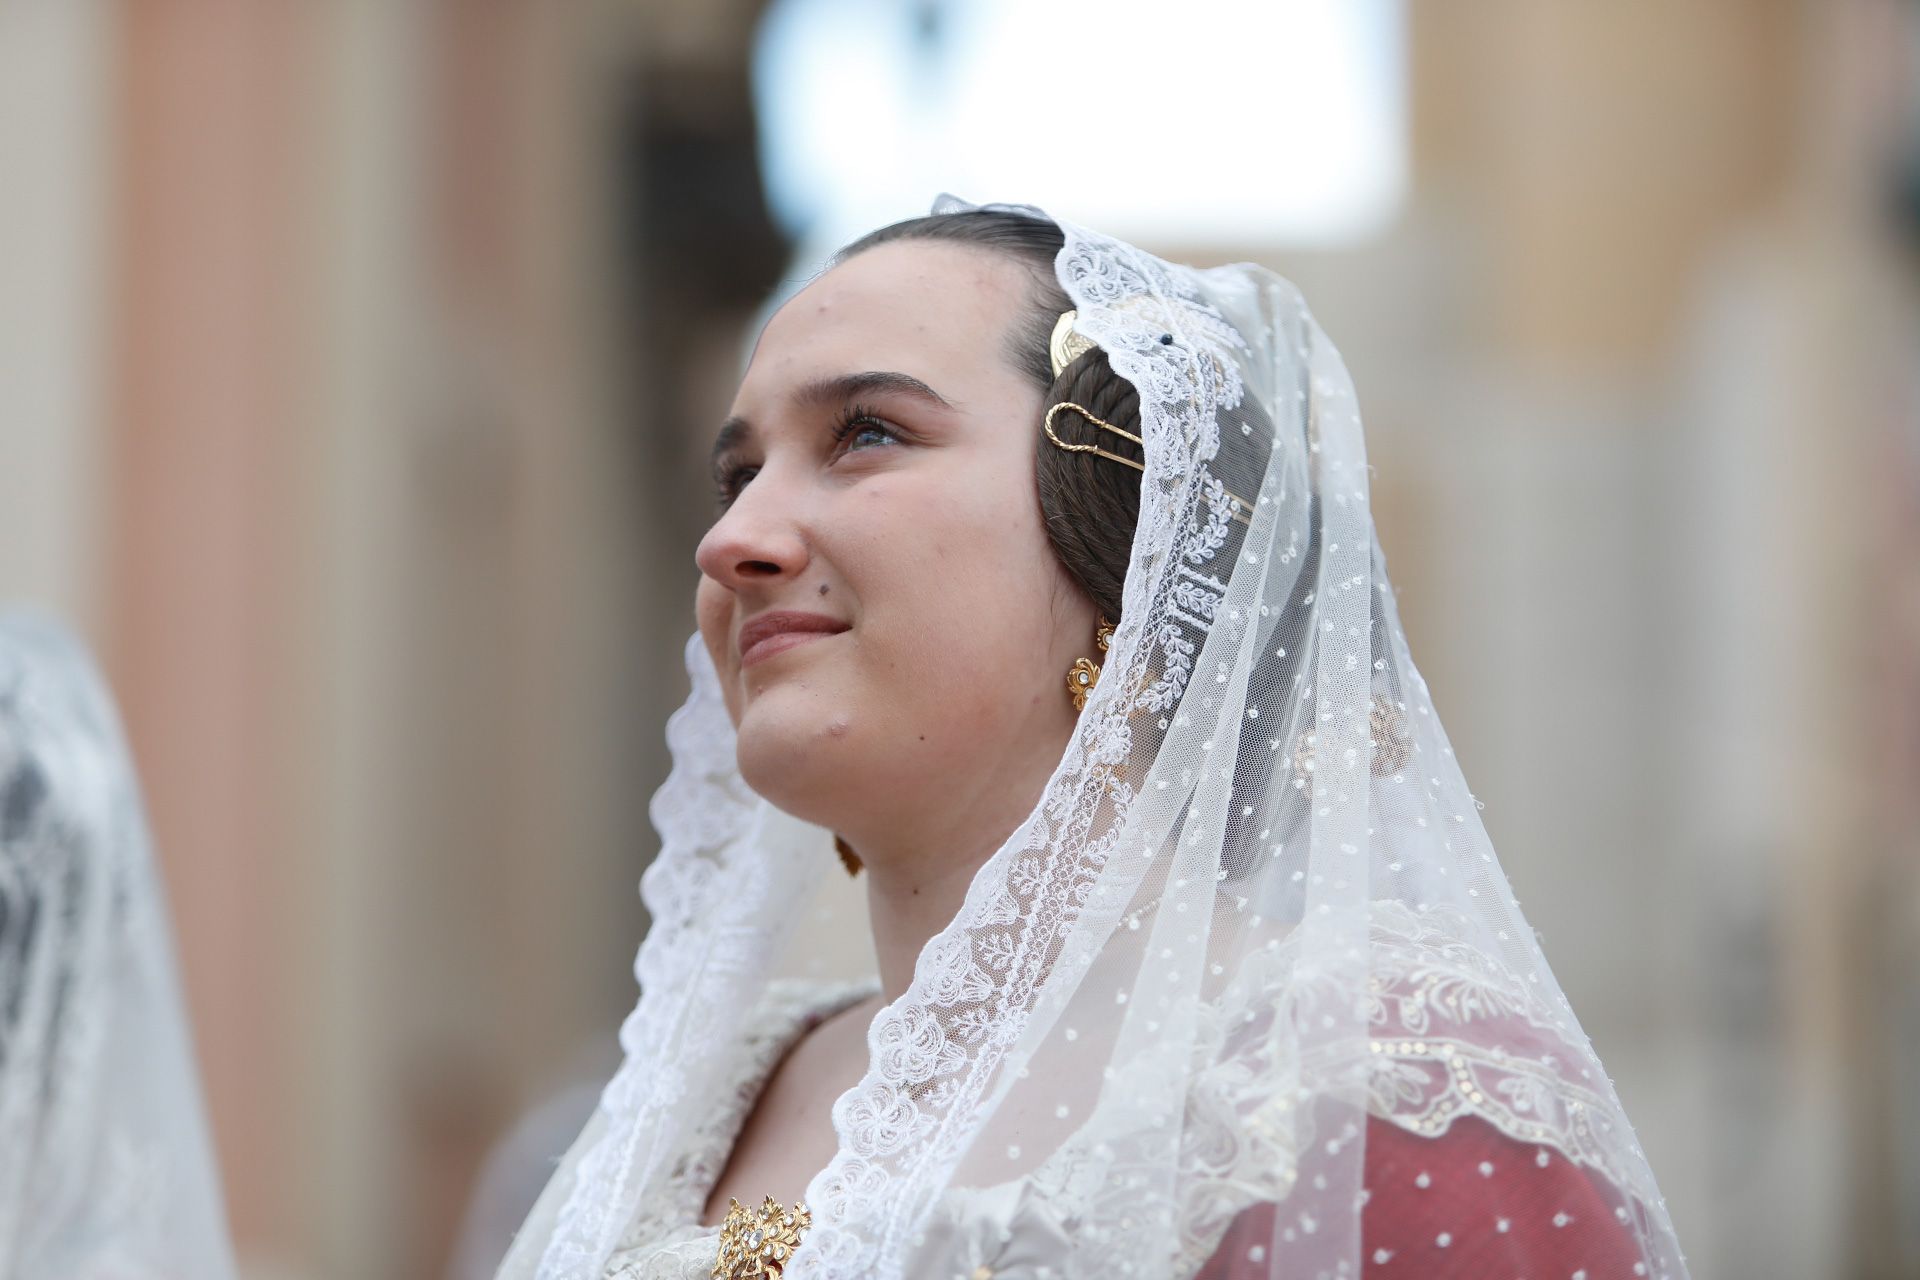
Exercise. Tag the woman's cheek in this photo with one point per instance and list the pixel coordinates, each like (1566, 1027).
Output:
(967, 687)
(713, 615)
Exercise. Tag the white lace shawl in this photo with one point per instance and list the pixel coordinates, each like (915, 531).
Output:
(105, 1168)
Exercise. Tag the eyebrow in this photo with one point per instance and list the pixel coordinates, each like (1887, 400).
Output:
(835, 389)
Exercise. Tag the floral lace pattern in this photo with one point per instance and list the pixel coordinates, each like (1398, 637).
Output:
(665, 1240)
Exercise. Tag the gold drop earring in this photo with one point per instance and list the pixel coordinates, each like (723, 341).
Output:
(848, 858)
(1085, 672)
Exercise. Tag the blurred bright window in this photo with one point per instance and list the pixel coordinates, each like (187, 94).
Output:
(1231, 123)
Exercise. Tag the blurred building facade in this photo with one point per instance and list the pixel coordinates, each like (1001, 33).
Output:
(357, 363)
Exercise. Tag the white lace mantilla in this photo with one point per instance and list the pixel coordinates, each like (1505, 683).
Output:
(1429, 1062)
(1253, 904)
(105, 1167)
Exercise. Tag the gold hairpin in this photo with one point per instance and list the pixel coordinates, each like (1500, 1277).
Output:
(1098, 422)
(1242, 512)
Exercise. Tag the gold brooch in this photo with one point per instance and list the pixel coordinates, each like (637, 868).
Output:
(1392, 743)
(758, 1242)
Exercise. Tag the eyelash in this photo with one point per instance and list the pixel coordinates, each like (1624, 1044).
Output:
(852, 420)
(855, 418)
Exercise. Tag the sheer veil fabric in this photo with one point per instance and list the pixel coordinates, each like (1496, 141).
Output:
(1255, 908)
(106, 1172)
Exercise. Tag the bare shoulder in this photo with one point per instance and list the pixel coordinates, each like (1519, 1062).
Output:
(831, 1047)
(788, 1135)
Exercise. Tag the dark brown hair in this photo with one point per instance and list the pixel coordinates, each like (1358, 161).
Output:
(1090, 503)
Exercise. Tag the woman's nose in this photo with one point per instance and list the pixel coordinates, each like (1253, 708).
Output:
(755, 540)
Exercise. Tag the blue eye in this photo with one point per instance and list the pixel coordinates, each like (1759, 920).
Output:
(862, 436)
(858, 428)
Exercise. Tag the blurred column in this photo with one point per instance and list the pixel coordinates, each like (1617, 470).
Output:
(1578, 165)
(206, 403)
(56, 68)
(476, 835)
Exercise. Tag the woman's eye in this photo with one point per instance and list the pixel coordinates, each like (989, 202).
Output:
(860, 429)
(732, 482)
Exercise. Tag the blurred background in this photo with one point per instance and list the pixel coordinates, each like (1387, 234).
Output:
(358, 360)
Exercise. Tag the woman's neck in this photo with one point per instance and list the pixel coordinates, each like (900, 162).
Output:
(910, 900)
(920, 863)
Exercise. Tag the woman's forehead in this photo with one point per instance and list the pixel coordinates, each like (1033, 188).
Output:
(942, 307)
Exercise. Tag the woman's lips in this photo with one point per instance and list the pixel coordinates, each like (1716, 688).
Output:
(774, 633)
(779, 644)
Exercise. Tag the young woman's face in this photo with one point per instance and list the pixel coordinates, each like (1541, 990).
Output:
(890, 626)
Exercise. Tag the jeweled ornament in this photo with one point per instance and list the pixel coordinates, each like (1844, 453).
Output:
(758, 1242)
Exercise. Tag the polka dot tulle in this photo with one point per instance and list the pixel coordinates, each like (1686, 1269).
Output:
(1471, 1202)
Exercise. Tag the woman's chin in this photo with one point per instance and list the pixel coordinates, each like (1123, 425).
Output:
(796, 762)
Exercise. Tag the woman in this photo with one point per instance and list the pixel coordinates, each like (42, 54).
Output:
(1045, 585)
(105, 1168)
